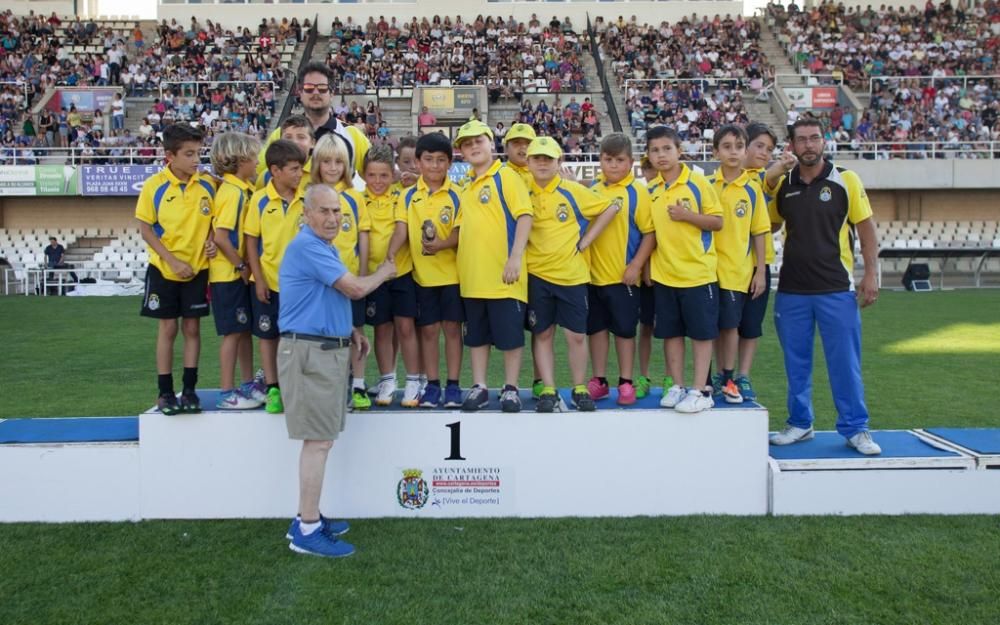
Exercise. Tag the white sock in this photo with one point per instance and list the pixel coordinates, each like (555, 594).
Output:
(387, 377)
(309, 528)
(412, 378)
(359, 383)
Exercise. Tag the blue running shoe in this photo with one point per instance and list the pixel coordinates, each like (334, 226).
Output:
(331, 527)
(431, 397)
(746, 389)
(453, 396)
(319, 544)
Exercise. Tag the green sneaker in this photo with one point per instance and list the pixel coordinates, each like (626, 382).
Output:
(360, 399)
(274, 404)
(537, 389)
(642, 385)
(717, 385)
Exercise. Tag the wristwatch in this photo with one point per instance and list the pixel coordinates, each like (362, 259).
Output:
(241, 267)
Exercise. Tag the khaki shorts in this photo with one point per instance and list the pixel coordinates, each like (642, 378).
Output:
(314, 387)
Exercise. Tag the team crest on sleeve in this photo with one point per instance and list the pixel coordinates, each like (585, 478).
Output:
(264, 323)
(206, 206)
(153, 302)
(445, 216)
(412, 491)
(241, 315)
(562, 212)
(825, 194)
(485, 193)
(742, 208)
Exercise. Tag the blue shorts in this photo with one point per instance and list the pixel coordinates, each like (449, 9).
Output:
(265, 316)
(358, 312)
(752, 321)
(613, 307)
(647, 305)
(231, 307)
(731, 308)
(439, 303)
(550, 303)
(692, 312)
(498, 322)
(393, 298)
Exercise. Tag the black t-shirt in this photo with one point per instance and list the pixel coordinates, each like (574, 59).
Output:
(54, 254)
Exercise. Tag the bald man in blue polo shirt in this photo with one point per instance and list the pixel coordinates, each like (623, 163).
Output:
(314, 358)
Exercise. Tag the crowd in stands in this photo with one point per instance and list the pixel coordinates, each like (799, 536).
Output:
(692, 73)
(506, 55)
(575, 125)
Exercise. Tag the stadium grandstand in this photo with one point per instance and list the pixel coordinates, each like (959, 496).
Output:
(84, 95)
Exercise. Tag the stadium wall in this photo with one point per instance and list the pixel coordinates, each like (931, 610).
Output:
(249, 14)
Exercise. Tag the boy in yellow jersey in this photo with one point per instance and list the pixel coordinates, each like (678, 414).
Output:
(515, 145)
(332, 167)
(234, 157)
(761, 142)
(273, 220)
(558, 273)
(299, 130)
(746, 226)
(392, 307)
(494, 224)
(175, 217)
(647, 306)
(616, 261)
(428, 211)
(686, 212)
(406, 163)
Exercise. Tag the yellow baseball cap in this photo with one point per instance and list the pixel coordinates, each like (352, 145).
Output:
(519, 131)
(472, 129)
(544, 146)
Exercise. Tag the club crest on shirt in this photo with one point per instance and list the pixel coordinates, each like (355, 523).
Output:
(153, 303)
(562, 212)
(617, 204)
(742, 208)
(206, 206)
(686, 203)
(485, 194)
(445, 216)
(241, 315)
(346, 225)
(825, 194)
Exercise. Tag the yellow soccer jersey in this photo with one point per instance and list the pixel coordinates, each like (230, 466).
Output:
(415, 208)
(685, 255)
(275, 222)
(758, 175)
(264, 177)
(231, 202)
(490, 206)
(563, 210)
(744, 214)
(615, 248)
(523, 172)
(352, 209)
(379, 221)
(181, 216)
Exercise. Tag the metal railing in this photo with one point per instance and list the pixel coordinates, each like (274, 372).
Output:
(944, 80)
(783, 80)
(197, 86)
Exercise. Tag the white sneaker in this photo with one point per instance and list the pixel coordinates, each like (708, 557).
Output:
(791, 435)
(411, 394)
(423, 383)
(862, 441)
(386, 391)
(672, 397)
(694, 401)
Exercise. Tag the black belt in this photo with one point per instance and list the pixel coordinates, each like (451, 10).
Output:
(326, 342)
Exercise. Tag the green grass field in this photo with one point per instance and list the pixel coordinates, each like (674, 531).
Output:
(924, 354)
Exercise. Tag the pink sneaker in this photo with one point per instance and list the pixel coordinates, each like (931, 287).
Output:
(626, 394)
(596, 389)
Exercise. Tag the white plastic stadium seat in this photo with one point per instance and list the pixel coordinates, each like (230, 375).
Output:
(899, 244)
(927, 244)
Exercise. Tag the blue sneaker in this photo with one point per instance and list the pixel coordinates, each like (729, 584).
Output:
(431, 397)
(319, 544)
(453, 396)
(331, 527)
(746, 389)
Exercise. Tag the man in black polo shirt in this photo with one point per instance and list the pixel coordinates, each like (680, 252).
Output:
(823, 208)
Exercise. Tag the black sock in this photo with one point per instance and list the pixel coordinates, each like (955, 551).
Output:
(436, 383)
(452, 382)
(270, 386)
(624, 381)
(706, 392)
(509, 387)
(190, 379)
(602, 380)
(166, 383)
(727, 375)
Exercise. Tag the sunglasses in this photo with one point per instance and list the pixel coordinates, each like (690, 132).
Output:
(311, 88)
